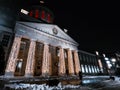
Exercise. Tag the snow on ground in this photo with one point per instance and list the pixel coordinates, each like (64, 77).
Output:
(97, 85)
(40, 87)
(106, 85)
(112, 82)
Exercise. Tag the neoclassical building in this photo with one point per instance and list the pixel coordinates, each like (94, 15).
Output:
(42, 50)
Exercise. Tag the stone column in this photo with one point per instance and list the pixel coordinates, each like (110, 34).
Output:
(11, 64)
(70, 63)
(62, 63)
(100, 65)
(77, 62)
(50, 64)
(45, 64)
(29, 71)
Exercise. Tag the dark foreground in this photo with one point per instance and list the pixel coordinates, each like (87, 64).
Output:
(88, 84)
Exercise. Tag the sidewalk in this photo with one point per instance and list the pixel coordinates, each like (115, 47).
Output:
(94, 79)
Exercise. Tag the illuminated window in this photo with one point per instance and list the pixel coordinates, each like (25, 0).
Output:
(97, 69)
(89, 69)
(93, 69)
(65, 53)
(82, 68)
(19, 65)
(58, 52)
(86, 68)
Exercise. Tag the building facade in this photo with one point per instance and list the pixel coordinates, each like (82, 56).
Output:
(42, 50)
(92, 64)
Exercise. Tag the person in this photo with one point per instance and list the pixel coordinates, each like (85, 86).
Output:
(80, 77)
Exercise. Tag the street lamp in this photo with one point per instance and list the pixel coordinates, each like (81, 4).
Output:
(97, 53)
(113, 60)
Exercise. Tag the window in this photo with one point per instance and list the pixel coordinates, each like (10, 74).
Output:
(93, 69)
(23, 45)
(82, 68)
(5, 40)
(19, 65)
(58, 52)
(86, 68)
(90, 69)
(65, 53)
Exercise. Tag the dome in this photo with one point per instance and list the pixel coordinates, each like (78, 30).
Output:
(41, 13)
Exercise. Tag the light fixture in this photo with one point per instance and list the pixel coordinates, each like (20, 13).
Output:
(106, 58)
(42, 2)
(113, 60)
(97, 53)
(65, 30)
(103, 55)
(24, 11)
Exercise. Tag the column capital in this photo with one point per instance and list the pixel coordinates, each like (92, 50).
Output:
(32, 39)
(75, 51)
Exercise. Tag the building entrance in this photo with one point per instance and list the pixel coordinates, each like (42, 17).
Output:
(54, 60)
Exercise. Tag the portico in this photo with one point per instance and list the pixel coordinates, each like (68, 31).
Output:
(42, 50)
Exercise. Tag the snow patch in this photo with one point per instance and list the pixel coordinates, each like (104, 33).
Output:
(39, 87)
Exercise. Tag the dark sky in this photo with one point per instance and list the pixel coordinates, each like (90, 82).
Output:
(94, 25)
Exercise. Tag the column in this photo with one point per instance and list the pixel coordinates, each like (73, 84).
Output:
(62, 63)
(11, 64)
(100, 65)
(29, 71)
(45, 64)
(77, 62)
(70, 62)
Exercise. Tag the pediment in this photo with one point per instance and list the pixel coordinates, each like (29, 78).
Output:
(50, 29)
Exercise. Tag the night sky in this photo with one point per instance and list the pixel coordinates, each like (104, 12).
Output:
(94, 25)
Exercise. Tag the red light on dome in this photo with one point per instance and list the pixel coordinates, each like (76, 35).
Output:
(36, 13)
(31, 13)
(43, 15)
